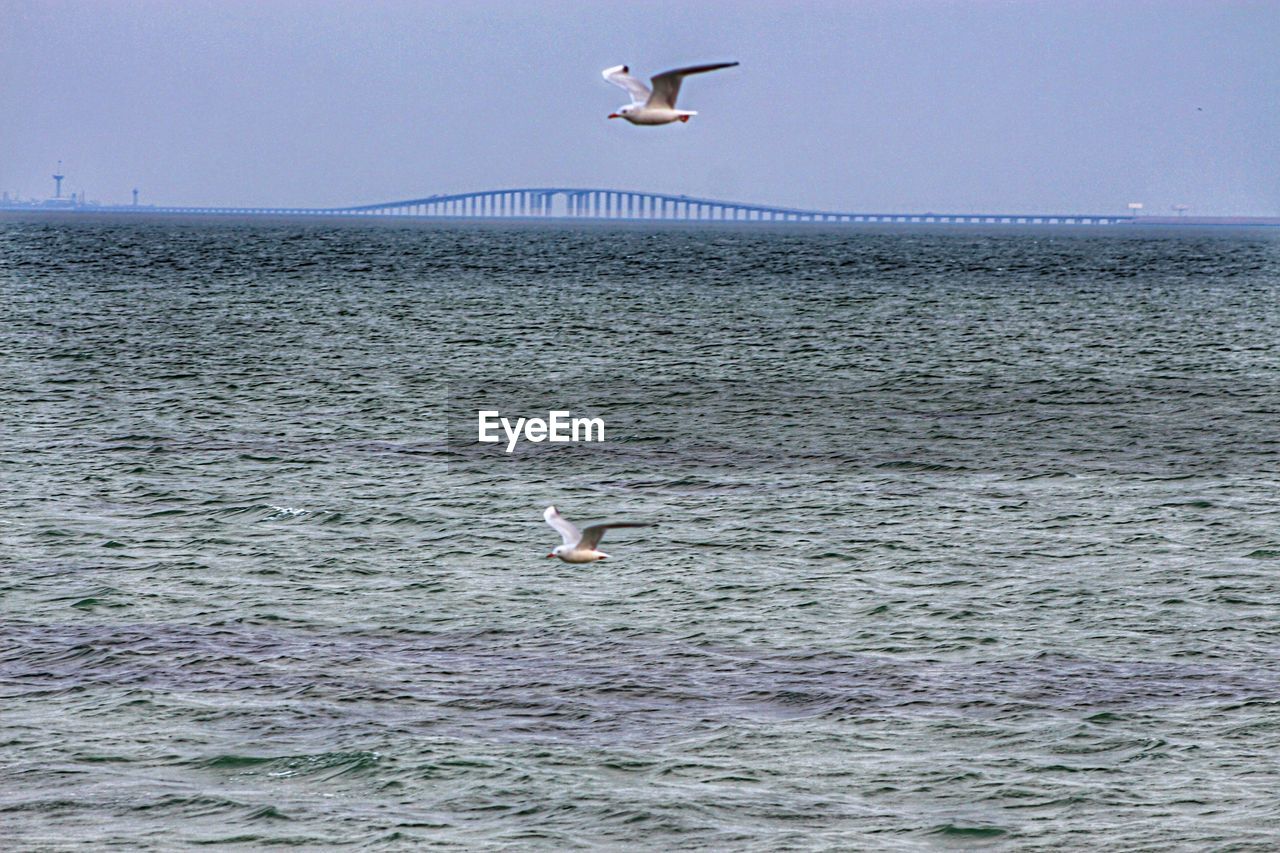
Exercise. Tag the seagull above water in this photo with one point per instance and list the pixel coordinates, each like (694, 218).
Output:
(579, 545)
(658, 106)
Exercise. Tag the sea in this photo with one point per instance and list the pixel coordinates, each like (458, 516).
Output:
(960, 538)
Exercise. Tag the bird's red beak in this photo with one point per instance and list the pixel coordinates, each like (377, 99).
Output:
(615, 115)
(549, 556)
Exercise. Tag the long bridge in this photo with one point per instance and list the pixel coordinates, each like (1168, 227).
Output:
(578, 203)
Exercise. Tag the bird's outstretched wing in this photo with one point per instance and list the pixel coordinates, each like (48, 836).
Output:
(563, 526)
(591, 535)
(619, 75)
(666, 86)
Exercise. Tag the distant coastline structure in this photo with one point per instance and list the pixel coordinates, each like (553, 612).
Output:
(602, 204)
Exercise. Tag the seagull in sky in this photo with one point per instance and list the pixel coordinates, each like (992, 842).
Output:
(579, 545)
(658, 106)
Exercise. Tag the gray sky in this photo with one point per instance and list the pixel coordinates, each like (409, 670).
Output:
(875, 106)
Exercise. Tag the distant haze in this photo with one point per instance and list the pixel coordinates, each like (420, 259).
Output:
(870, 106)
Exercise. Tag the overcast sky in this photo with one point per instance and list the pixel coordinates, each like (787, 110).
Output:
(862, 106)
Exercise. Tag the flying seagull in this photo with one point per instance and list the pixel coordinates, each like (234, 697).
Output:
(658, 106)
(579, 545)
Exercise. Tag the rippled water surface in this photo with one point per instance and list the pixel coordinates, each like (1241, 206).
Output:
(963, 539)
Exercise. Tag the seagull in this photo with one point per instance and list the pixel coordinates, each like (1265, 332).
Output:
(658, 106)
(579, 545)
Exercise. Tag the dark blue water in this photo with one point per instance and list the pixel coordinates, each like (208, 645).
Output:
(963, 538)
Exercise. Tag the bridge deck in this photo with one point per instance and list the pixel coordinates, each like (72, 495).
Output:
(629, 205)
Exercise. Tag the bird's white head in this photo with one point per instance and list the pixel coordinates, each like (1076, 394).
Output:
(557, 551)
(623, 111)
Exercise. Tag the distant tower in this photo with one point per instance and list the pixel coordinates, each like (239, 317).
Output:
(57, 181)
(1181, 209)
(135, 196)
